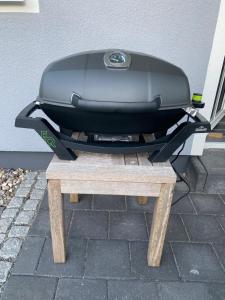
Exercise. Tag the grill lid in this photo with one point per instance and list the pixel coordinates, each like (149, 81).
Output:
(103, 80)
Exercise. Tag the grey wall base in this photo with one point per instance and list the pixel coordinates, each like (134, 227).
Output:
(208, 176)
(26, 160)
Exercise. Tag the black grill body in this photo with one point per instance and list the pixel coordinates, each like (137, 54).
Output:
(113, 92)
(83, 93)
(112, 123)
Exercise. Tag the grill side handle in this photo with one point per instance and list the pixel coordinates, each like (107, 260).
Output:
(24, 120)
(44, 129)
(113, 107)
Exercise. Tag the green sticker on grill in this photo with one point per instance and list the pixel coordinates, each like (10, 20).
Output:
(48, 139)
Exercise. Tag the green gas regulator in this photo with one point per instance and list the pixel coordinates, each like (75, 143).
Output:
(197, 101)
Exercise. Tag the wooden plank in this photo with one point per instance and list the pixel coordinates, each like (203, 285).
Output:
(142, 200)
(75, 135)
(110, 172)
(131, 159)
(165, 164)
(119, 173)
(215, 135)
(143, 159)
(83, 137)
(159, 224)
(74, 198)
(110, 188)
(56, 220)
(103, 159)
(149, 137)
(91, 159)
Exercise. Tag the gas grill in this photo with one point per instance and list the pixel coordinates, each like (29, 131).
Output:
(114, 97)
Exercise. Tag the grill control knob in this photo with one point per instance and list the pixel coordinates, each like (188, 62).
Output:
(117, 59)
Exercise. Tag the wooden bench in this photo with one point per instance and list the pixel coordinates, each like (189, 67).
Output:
(93, 173)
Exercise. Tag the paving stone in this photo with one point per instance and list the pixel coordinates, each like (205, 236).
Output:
(81, 289)
(42, 175)
(74, 265)
(216, 291)
(215, 183)
(5, 224)
(221, 220)
(223, 196)
(140, 268)
(133, 205)
(197, 262)
(221, 253)
(208, 204)
(41, 184)
(27, 183)
(180, 187)
(184, 206)
(37, 194)
(31, 248)
(9, 213)
(23, 192)
(44, 201)
(2, 237)
(31, 204)
(85, 202)
(41, 226)
(10, 248)
(175, 229)
(19, 231)
(107, 259)
(191, 290)
(132, 290)
(15, 202)
(24, 218)
(5, 267)
(109, 202)
(127, 226)
(29, 287)
(31, 175)
(1, 210)
(204, 229)
(89, 224)
(214, 160)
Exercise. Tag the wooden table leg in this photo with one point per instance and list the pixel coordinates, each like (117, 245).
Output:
(142, 200)
(56, 215)
(74, 198)
(159, 224)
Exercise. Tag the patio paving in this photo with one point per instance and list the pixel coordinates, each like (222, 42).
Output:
(107, 239)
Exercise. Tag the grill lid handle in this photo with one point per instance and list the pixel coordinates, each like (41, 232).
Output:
(110, 106)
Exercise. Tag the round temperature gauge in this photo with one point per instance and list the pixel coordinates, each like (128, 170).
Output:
(117, 59)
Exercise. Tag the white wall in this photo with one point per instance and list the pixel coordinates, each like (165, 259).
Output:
(28, 6)
(178, 31)
(212, 78)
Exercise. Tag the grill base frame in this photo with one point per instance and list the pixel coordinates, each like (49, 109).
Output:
(62, 144)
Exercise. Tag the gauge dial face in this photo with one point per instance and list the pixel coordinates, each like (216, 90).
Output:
(117, 60)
